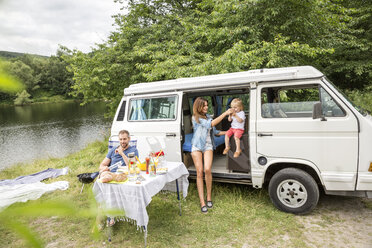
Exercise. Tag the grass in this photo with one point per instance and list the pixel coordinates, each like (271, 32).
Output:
(241, 217)
(367, 203)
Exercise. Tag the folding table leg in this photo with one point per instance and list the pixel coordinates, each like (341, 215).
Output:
(178, 197)
(82, 188)
(145, 234)
(109, 229)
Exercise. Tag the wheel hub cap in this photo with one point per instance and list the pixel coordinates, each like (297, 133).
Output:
(292, 193)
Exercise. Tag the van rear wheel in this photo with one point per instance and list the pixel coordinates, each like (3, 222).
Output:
(293, 191)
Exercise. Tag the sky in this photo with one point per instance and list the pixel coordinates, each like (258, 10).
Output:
(39, 26)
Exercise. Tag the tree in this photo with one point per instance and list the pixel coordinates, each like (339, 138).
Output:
(54, 77)
(166, 39)
(22, 98)
(24, 73)
(350, 67)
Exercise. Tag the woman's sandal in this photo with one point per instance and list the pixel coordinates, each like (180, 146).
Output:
(204, 209)
(209, 204)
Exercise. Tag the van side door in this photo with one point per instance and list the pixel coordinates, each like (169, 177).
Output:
(287, 132)
(154, 120)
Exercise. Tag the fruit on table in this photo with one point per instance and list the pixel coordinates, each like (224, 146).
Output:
(142, 166)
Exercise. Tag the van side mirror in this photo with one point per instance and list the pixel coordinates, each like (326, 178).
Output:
(317, 111)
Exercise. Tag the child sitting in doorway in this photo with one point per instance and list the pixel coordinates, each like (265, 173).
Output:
(237, 126)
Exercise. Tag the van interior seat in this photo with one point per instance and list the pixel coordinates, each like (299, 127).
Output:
(219, 140)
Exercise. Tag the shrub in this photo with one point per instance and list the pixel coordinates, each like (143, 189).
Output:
(22, 98)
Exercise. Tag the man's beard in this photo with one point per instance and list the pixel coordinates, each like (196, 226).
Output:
(124, 145)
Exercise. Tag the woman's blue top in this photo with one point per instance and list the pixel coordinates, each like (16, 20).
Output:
(201, 132)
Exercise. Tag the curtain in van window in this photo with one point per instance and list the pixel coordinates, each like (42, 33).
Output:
(138, 112)
(229, 100)
(219, 105)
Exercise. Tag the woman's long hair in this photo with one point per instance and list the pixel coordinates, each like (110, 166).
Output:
(198, 108)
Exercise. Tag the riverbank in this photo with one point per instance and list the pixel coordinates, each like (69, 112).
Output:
(241, 217)
(42, 100)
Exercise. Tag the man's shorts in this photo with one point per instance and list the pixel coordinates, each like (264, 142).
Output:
(237, 132)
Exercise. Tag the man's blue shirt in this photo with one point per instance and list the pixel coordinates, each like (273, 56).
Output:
(117, 157)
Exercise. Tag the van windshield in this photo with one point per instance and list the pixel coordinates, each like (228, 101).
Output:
(362, 111)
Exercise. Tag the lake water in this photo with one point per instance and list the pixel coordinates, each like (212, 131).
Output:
(49, 130)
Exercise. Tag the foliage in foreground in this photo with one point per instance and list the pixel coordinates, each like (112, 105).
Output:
(8, 83)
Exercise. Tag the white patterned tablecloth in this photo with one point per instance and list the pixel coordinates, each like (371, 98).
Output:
(133, 198)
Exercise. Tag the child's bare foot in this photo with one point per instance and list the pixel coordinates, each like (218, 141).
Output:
(226, 150)
(237, 153)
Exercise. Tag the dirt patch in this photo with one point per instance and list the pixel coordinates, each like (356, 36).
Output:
(339, 222)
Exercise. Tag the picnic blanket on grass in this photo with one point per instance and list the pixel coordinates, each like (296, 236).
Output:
(29, 187)
(10, 194)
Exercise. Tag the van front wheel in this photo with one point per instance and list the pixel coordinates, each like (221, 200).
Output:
(293, 191)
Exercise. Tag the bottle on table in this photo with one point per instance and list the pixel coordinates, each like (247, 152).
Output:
(131, 167)
(153, 169)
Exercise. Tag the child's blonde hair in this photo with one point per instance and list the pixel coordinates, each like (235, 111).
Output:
(238, 102)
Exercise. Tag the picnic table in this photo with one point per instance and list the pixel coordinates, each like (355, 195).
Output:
(133, 198)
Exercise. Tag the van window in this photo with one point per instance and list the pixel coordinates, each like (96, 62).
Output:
(156, 108)
(227, 99)
(329, 107)
(285, 102)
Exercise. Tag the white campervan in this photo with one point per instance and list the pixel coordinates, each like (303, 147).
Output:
(301, 133)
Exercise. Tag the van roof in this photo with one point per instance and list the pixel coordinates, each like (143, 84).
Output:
(236, 78)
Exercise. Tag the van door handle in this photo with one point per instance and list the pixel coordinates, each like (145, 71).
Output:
(264, 134)
(170, 134)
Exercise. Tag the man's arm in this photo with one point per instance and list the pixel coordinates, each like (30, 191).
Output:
(104, 164)
(125, 158)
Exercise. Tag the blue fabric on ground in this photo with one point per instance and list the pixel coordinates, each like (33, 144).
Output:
(36, 177)
(219, 140)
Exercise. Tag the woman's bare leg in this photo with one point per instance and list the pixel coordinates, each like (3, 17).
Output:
(197, 157)
(208, 159)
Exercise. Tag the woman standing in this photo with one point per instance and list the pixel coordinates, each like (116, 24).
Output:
(203, 143)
